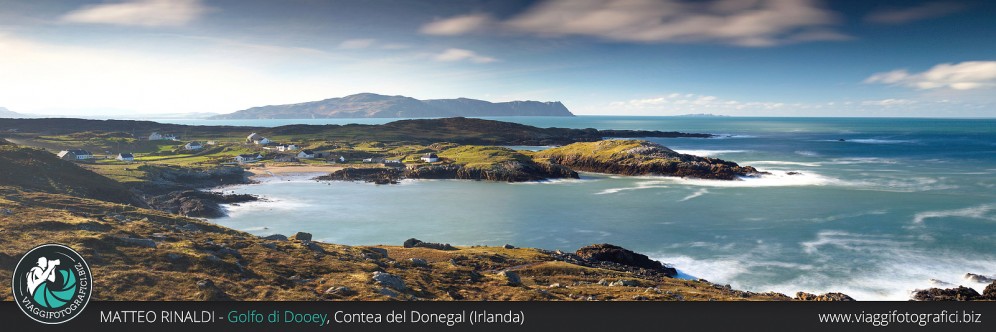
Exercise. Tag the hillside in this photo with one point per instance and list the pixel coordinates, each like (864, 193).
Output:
(369, 105)
(37, 170)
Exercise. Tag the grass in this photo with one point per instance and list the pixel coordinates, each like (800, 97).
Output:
(483, 156)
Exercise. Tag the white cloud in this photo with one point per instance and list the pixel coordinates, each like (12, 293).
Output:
(967, 75)
(888, 102)
(354, 44)
(457, 25)
(737, 22)
(148, 13)
(683, 103)
(916, 13)
(458, 54)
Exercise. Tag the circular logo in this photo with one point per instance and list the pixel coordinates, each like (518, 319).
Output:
(52, 283)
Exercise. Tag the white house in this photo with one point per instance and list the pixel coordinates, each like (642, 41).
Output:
(287, 147)
(159, 137)
(430, 157)
(193, 146)
(373, 160)
(257, 139)
(125, 157)
(306, 154)
(75, 154)
(342, 159)
(245, 158)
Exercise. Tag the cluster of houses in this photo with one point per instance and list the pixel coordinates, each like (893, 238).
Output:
(291, 152)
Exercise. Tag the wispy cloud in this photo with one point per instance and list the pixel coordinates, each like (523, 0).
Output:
(966, 75)
(458, 25)
(355, 44)
(737, 22)
(916, 13)
(459, 54)
(148, 13)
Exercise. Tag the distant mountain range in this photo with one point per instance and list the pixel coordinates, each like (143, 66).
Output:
(370, 105)
(5, 113)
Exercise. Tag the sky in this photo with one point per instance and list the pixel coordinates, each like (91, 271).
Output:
(900, 58)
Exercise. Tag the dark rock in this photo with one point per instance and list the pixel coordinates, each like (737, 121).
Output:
(148, 243)
(340, 291)
(508, 246)
(616, 254)
(961, 293)
(418, 262)
(978, 278)
(313, 246)
(827, 297)
(275, 237)
(990, 291)
(793, 173)
(510, 277)
(195, 203)
(416, 243)
(389, 280)
(210, 292)
(379, 251)
(302, 236)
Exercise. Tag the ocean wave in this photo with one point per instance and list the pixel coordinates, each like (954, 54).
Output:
(860, 160)
(883, 267)
(974, 212)
(709, 153)
(807, 153)
(639, 186)
(777, 178)
(779, 162)
(871, 141)
(698, 193)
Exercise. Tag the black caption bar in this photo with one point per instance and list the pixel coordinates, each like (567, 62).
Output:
(516, 316)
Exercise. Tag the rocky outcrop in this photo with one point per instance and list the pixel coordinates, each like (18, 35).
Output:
(162, 179)
(611, 253)
(501, 172)
(195, 203)
(827, 297)
(961, 293)
(636, 157)
(978, 278)
(374, 175)
(990, 291)
(416, 243)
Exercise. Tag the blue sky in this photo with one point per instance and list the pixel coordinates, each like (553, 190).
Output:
(626, 57)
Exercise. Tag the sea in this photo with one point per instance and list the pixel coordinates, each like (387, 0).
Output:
(880, 207)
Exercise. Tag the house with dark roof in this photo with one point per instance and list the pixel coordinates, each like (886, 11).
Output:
(75, 154)
(306, 154)
(193, 146)
(125, 157)
(257, 139)
(247, 158)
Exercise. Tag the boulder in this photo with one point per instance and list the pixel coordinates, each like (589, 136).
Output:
(827, 297)
(302, 236)
(508, 246)
(611, 253)
(340, 291)
(961, 293)
(623, 282)
(418, 262)
(990, 291)
(510, 277)
(416, 243)
(389, 280)
(275, 237)
(210, 292)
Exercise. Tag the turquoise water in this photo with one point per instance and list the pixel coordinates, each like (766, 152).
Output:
(897, 203)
